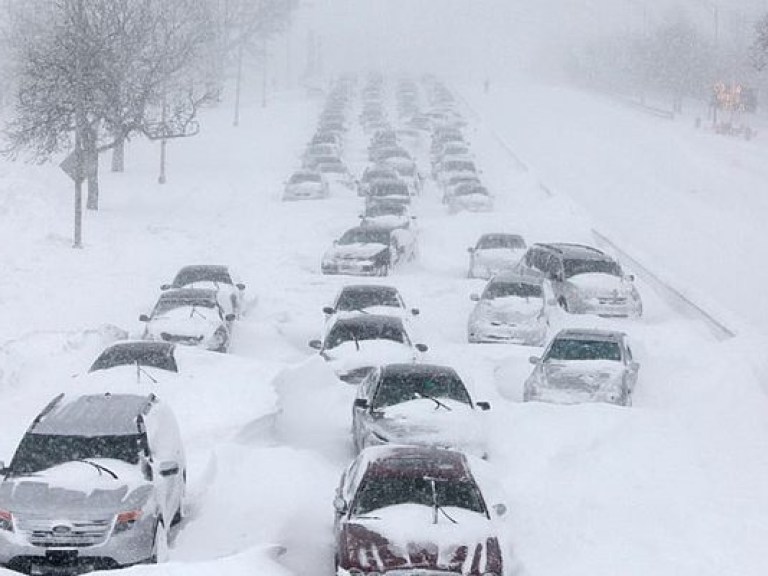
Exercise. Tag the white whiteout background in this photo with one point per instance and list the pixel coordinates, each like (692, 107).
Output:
(674, 485)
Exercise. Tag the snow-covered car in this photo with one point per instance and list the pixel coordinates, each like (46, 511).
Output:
(454, 167)
(388, 191)
(336, 173)
(369, 251)
(512, 308)
(190, 316)
(357, 299)
(319, 150)
(354, 345)
(306, 185)
(584, 366)
(470, 197)
(420, 404)
(414, 510)
(457, 180)
(407, 171)
(388, 215)
(137, 353)
(585, 280)
(96, 483)
(229, 290)
(495, 253)
(374, 174)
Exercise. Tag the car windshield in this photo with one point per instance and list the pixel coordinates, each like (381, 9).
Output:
(350, 332)
(165, 305)
(455, 181)
(191, 275)
(385, 209)
(38, 452)
(501, 241)
(378, 492)
(332, 168)
(399, 388)
(497, 289)
(305, 177)
(379, 175)
(576, 267)
(365, 236)
(389, 189)
(579, 349)
(359, 299)
(130, 356)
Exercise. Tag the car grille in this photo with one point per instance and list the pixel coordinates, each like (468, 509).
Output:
(46, 532)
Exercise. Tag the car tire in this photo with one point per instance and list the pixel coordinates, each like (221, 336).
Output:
(159, 543)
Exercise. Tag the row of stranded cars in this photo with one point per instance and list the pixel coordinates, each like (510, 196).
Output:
(415, 499)
(98, 480)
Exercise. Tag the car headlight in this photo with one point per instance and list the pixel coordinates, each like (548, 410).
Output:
(126, 520)
(6, 521)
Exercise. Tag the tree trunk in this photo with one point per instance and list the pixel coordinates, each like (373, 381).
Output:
(93, 180)
(118, 156)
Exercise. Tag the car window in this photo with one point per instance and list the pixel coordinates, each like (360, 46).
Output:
(500, 289)
(125, 355)
(581, 349)
(347, 332)
(351, 300)
(398, 388)
(189, 276)
(167, 304)
(574, 267)
(366, 236)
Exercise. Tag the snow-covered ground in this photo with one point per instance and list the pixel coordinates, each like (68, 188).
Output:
(673, 485)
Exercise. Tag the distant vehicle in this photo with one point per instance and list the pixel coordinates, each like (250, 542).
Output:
(336, 173)
(95, 483)
(369, 251)
(358, 299)
(312, 162)
(455, 167)
(388, 191)
(355, 345)
(420, 404)
(229, 290)
(406, 170)
(190, 316)
(584, 366)
(585, 280)
(512, 308)
(495, 253)
(452, 183)
(328, 138)
(139, 353)
(420, 509)
(470, 197)
(374, 174)
(388, 215)
(306, 185)
(322, 149)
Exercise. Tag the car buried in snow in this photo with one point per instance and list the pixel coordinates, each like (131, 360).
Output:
(388, 215)
(413, 511)
(354, 345)
(585, 280)
(369, 251)
(420, 404)
(388, 191)
(470, 197)
(137, 353)
(584, 365)
(189, 316)
(336, 172)
(374, 174)
(306, 185)
(511, 309)
(355, 299)
(229, 290)
(96, 483)
(495, 253)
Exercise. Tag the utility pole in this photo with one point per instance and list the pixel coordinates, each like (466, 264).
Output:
(264, 71)
(163, 141)
(80, 120)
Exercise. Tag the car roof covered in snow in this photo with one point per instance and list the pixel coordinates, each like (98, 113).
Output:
(91, 415)
(590, 334)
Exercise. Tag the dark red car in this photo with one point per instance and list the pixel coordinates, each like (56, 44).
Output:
(414, 509)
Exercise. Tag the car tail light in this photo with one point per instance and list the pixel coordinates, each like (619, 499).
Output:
(6, 521)
(126, 520)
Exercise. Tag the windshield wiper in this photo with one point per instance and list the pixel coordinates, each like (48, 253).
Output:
(435, 505)
(438, 403)
(194, 311)
(141, 370)
(98, 467)
(354, 337)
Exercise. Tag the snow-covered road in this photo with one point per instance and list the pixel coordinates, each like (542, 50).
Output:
(674, 485)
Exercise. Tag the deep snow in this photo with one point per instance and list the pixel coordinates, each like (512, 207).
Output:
(674, 485)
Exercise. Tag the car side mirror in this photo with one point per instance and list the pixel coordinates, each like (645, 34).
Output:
(328, 310)
(422, 347)
(483, 405)
(169, 468)
(165, 287)
(474, 297)
(534, 359)
(143, 318)
(240, 286)
(499, 509)
(630, 277)
(361, 403)
(340, 505)
(315, 344)
(415, 311)
(230, 317)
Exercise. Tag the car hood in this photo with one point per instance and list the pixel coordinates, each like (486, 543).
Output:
(421, 421)
(180, 322)
(357, 251)
(76, 488)
(404, 537)
(510, 309)
(599, 284)
(583, 375)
